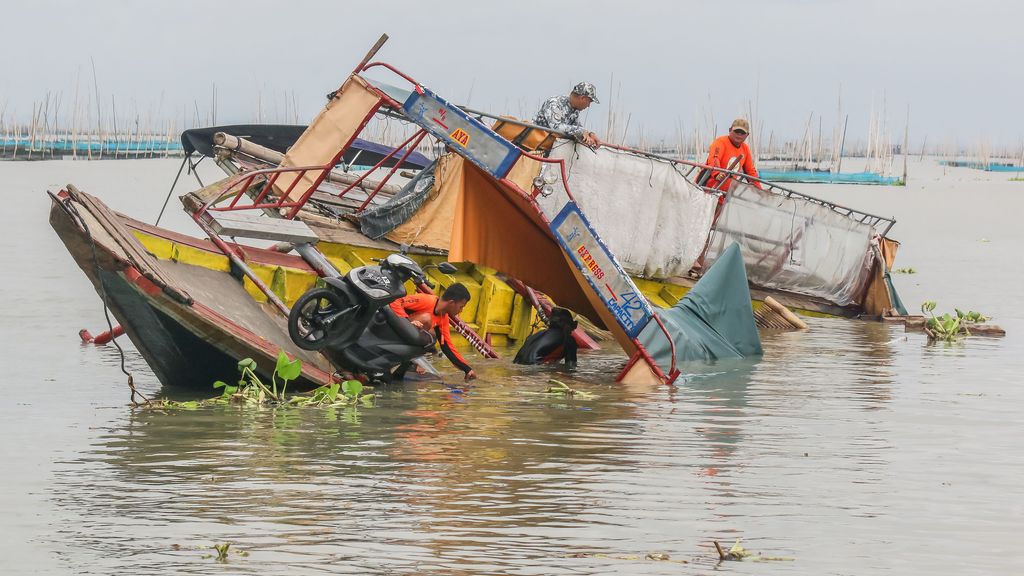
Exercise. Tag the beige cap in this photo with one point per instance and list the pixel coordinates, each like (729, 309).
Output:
(741, 124)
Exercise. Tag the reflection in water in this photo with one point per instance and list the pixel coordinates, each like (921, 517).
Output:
(791, 453)
(425, 477)
(853, 447)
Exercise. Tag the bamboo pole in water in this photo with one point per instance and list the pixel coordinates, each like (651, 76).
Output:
(99, 118)
(842, 145)
(906, 145)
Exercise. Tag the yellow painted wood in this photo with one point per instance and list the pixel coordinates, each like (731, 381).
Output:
(159, 247)
(523, 317)
(196, 257)
(653, 295)
(496, 299)
(494, 308)
(479, 273)
(266, 275)
(672, 294)
(355, 259)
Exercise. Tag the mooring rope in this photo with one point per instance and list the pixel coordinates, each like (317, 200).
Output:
(106, 311)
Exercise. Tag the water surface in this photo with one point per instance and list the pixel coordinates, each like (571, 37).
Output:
(853, 448)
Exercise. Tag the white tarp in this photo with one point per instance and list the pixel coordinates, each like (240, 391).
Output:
(795, 245)
(654, 220)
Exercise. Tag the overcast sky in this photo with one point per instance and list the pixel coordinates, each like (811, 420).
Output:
(958, 65)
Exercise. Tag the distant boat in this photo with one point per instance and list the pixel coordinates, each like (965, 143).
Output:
(827, 177)
(986, 166)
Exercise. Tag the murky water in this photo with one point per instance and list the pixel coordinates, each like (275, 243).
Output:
(854, 448)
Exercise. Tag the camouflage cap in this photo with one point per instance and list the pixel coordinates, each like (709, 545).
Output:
(586, 89)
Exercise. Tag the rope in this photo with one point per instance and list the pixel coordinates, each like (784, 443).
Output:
(106, 311)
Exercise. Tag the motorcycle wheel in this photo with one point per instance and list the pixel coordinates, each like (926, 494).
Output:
(306, 321)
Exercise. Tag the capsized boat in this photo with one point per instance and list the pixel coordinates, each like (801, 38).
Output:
(489, 202)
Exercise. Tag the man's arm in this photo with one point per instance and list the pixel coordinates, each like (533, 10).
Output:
(748, 166)
(399, 307)
(444, 336)
(715, 155)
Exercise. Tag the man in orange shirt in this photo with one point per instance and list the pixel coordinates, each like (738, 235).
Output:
(438, 311)
(730, 152)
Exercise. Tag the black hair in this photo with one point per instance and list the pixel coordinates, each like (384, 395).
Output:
(456, 293)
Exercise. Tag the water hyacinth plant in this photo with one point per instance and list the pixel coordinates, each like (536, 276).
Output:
(949, 327)
(250, 389)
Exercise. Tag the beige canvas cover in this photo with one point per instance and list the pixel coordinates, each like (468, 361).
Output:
(431, 225)
(329, 133)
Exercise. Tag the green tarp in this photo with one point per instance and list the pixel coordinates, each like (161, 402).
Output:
(713, 320)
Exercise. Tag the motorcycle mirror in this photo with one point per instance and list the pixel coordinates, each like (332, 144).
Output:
(447, 268)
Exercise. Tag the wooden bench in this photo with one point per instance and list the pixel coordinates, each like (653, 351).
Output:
(262, 227)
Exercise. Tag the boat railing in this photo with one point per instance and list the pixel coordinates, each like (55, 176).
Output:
(260, 182)
(881, 223)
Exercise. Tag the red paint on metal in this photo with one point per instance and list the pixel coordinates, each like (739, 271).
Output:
(390, 173)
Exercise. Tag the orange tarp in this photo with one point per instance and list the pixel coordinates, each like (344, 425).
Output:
(877, 299)
(479, 219)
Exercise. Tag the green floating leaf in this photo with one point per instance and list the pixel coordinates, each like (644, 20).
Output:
(352, 388)
(286, 368)
(247, 363)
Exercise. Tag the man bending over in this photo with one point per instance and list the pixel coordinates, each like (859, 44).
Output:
(440, 310)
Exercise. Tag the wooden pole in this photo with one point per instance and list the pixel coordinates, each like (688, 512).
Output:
(373, 52)
(906, 144)
(842, 144)
(99, 120)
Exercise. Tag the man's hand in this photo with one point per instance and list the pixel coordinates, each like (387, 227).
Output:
(471, 375)
(417, 324)
(591, 139)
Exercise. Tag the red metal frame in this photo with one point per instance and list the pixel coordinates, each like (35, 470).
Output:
(246, 181)
(412, 147)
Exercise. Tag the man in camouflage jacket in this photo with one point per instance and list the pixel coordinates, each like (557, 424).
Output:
(562, 113)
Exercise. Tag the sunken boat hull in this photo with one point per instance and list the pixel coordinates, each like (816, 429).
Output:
(190, 323)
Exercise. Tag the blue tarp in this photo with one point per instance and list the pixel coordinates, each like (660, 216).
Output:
(714, 320)
(989, 167)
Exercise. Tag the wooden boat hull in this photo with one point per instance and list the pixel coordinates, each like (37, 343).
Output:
(187, 344)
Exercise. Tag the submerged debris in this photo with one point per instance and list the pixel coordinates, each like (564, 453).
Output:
(739, 553)
(559, 388)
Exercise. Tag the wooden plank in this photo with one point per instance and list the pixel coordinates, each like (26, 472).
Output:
(262, 227)
(133, 250)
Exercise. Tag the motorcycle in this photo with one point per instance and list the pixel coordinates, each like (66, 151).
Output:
(351, 322)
